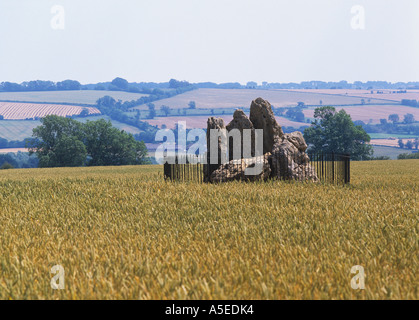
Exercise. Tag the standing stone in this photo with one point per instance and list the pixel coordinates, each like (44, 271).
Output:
(241, 122)
(262, 117)
(297, 139)
(289, 160)
(215, 123)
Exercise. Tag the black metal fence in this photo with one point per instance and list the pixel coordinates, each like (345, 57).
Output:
(319, 167)
(331, 167)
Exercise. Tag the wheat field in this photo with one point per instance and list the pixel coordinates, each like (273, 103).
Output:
(125, 233)
(22, 111)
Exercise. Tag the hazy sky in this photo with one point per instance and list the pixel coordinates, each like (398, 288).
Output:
(209, 40)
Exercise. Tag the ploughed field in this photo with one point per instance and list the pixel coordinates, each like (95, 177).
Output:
(22, 111)
(125, 233)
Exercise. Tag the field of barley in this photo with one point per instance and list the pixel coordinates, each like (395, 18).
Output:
(22, 111)
(125, 233)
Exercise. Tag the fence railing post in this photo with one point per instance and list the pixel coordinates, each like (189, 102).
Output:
(329, 167)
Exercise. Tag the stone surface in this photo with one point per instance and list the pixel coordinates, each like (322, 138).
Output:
(284, 154)
(297, 139)
(241, 122)
(214, 123)
(235, 170)
(289, 162)
(262, 117)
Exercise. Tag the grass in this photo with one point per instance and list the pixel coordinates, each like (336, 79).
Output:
(77, 96)
(125, 233)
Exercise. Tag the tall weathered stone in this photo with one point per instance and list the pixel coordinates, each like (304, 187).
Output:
(289, 160)
(262, 117)
(297, 139)
(241, 122)
(217, 124)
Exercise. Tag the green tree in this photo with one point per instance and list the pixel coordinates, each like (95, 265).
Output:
(120, 83)
(64, 142)
(151, 111)
(334, 131)
(393, 118)
(47, 140)
(107, 146)
(409, 118)
(166, 110)
(69, 152)
(401, 143)
(409, 145)
(84, 112)
(6, 166)
(68, 85)
(192, 105)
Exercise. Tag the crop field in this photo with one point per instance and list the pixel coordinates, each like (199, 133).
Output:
(120, 125)
(14, 150)
(76, 96)
(239, 98)
(386, 94)
(22, 129)
(17, 129)
(22, 111)
(388, 142)
(372, 112)
(391, 152)
(125, 233)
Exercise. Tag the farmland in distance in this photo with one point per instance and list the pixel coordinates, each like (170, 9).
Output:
(22, 129)
(242, 98)
(71, 96)
(22, 111)
(372, 112)
(386, 94)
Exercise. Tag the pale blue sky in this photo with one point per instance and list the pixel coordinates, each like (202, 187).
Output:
(209, 40)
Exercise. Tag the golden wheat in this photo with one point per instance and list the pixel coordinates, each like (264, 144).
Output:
(125, 233)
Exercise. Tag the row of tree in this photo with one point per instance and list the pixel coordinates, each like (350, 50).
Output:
(18, 160)
(65, 142)
(4, 143)
(117, 84)
(408, 118)
(39, 85)
(410, 144)
(410, 103)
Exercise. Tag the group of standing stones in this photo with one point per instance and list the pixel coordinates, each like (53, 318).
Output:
(284, 155)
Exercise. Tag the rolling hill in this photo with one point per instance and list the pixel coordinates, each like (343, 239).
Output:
(241, 98)
(76, 97)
